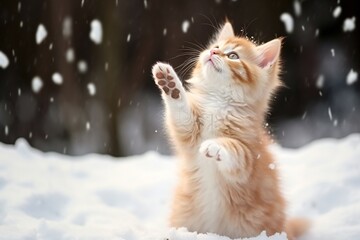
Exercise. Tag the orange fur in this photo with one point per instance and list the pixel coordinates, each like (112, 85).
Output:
(226, 185)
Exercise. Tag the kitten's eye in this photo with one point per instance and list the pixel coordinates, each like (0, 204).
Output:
(232, 55)
(217, 46)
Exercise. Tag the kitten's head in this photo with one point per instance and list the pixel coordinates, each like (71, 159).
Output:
(249, 70)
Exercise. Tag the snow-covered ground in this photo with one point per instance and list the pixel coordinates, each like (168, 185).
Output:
(51, 196)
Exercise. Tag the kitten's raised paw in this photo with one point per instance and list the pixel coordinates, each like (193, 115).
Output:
(211, 149)
(165, 77)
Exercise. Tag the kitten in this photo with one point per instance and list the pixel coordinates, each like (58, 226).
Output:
(227, 184)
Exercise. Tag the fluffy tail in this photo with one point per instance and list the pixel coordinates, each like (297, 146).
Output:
(295, 227)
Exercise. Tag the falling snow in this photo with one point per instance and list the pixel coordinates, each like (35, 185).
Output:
(349, 24)
(297, 8)
(4, 61)
(41, 34)
(317, 32)
(320, 81)
(36, 84)
(164, 31)
(185, 26)
(351, 77)
(57, 78)
(335, 123)
(96, 31)
(87, 126)
(304, 115)
(6, 130)
(70, 55)
(91, 88)
(82, 66)
(272, 166)
(67, 27)
(145, 4)
(332, 52)
(330, 114)
(128, 38)
(337, 12)
(288, 21)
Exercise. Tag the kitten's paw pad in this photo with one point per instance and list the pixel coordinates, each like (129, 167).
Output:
(165, 77)
(211, 149)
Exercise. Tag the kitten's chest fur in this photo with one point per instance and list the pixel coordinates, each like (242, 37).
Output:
(211, 198)
(214, 111)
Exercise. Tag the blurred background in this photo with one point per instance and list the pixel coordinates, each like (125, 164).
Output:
(75, 75)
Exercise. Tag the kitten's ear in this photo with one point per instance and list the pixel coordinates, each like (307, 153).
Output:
(268, 53)
(226, 32)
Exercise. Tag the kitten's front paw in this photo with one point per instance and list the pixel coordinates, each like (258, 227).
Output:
(211, 149)
(167, 80)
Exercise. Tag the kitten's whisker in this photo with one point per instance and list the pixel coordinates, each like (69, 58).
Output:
(187, 65)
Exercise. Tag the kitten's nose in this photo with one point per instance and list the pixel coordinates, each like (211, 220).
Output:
(214, 51)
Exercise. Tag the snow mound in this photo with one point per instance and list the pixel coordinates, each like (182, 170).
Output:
(52, 196)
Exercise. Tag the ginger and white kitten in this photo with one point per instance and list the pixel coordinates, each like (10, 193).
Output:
(226, 185)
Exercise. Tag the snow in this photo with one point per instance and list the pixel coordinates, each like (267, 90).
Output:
(185, 26)
(70, 55)
(6, 130)
(317, 32)
(288, 20)
(41, 34)
(87, 126)
(330, 113)
(91, 88)
(349, 24)
(96, 31)
(57, 78)
(164, 31)
(4, 61)
(67, 27)
(337, 12)
(36, 84)
(297, 8)
(351, 77)
(272, 166)
(145, 4)
(320, 81)
(52, 196)
(82, 66)
(128, 38)
(332, 52)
